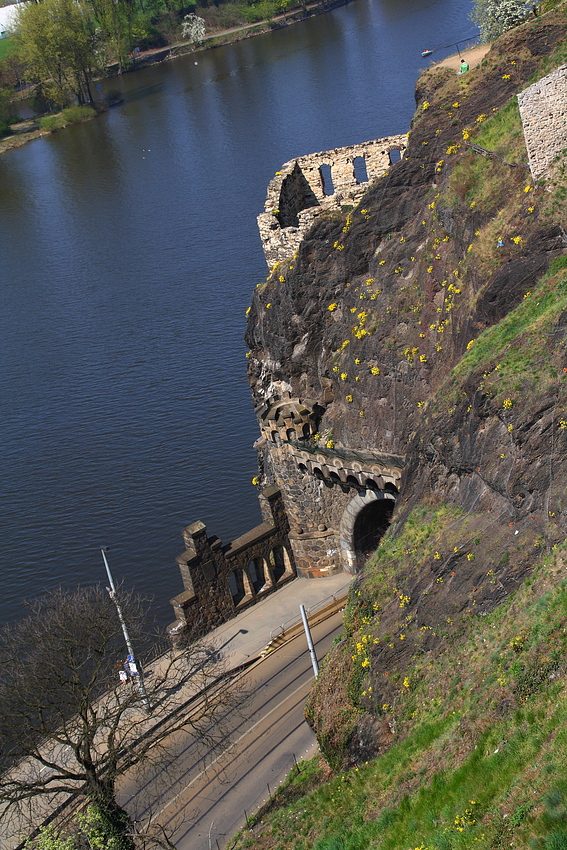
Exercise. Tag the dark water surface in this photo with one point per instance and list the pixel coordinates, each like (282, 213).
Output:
(128, 254)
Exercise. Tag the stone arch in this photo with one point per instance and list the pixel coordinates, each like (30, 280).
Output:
(358, 509)
(239, 585)
(257, 574)
(280, 564)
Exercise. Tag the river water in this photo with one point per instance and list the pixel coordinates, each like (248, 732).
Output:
(128, 254)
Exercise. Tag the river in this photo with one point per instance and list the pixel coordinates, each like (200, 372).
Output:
(128, 254)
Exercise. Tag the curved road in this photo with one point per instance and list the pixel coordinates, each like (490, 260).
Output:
(202, 804)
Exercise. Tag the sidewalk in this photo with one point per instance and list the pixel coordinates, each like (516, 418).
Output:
(246, 635)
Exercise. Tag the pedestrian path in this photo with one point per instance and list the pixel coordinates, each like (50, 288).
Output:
(245, 636)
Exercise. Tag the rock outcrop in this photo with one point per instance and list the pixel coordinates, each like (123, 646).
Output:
(429, 323)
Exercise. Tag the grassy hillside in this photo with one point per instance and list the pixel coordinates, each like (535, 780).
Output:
(441, 711)
(479, 757)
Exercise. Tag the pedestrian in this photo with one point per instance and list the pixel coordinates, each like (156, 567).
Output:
(464, 66)
(123, 676)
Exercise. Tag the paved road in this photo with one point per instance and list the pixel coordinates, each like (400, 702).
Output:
(205, 804)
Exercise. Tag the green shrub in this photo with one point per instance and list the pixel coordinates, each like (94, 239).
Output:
(76, 114)
(51, 123)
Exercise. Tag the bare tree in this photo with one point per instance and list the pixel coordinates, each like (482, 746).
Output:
(69, 726)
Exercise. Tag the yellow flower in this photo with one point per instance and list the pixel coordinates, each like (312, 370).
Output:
(332, 307)
(375, 370)
(425, 105)
(330, 444)
(255, 480)
(505, 76)
(344, 376)
(268, 305)
(348, 398)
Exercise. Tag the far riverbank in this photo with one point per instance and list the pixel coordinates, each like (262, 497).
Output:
(27, 131)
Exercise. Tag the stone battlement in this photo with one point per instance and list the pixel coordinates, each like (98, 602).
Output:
(220, 580)
(309, 185)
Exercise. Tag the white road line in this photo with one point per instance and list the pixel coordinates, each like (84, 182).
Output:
(250, 729)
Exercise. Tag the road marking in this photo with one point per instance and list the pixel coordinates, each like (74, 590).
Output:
(233, 744)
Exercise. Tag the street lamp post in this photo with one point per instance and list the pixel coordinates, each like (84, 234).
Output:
(114, 597)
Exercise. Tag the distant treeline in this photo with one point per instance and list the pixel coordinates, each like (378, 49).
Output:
(62, 45)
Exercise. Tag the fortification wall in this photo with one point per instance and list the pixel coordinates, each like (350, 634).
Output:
(306, 186)
(543, 110)
(324, 489)
(221, 580)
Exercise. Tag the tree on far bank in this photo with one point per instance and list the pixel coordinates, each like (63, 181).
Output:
(57, 43)
(70, 726)
(495, 17)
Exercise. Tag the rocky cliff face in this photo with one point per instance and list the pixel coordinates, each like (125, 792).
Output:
(430, 321)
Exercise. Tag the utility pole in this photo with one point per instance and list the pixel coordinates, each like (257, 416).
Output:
(112, 593)
(309, 641)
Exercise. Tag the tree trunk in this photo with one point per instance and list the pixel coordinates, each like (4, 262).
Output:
(112, 820)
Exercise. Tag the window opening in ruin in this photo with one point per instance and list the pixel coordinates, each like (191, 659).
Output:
(326, 179)
(236, 585)
(277, 562)
(256, 573)
(395, 156)
(290, 434)
(360, 172)
(370, 526)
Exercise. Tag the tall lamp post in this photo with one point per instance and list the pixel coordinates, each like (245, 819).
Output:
(131, 658)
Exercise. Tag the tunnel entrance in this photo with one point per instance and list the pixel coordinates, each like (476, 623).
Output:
(364, 522)
(370, 526)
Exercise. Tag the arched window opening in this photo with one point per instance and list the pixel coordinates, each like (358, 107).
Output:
(306, 430)
(370, 484)
(391, 488)
(352, 481)
(257, 575)
(360, 171)
(318, 473)
(302, 468)
(326, 179)
(278, 563)
(236, 585)
(370, 526)
(335, 478)
(395, 156)
(291, 434)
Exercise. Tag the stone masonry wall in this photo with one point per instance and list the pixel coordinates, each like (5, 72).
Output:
(319, 487)
(543, 110)
(220, 580)
(296, 195)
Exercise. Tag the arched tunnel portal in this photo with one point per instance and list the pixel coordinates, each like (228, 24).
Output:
(365, 521)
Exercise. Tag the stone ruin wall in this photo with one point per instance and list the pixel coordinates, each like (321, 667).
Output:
(220, 580)
(543, 110)
(296, 195)
(322, 489)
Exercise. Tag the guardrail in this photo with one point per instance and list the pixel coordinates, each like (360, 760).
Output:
(328, 602)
